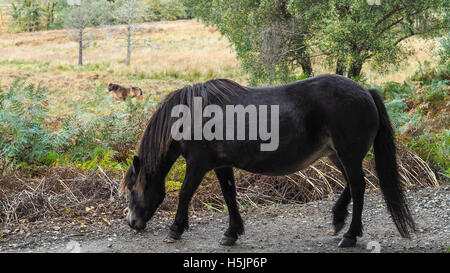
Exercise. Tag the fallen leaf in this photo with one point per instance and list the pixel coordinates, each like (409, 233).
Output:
(106, 221)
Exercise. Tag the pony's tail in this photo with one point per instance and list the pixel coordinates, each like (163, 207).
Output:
(387, 170)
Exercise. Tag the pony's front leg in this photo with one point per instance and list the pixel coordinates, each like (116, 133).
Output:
(194, 176)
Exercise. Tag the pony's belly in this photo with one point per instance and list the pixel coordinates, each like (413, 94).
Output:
(276, 168)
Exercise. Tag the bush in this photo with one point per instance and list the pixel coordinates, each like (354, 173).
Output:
(444, 51)
(164, 10)
(418, 109)
(24, 137)
(395, 90)
(82, 138)
(434, 148)
(26, 16)
(118, 131)
(395, 109)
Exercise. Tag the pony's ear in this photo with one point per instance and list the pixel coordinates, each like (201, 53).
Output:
(136, 164)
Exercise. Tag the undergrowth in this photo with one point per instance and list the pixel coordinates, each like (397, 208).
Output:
(82, 139)
(419, 110)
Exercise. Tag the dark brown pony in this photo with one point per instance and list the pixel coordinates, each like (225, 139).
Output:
(123, 92)
(324, 116)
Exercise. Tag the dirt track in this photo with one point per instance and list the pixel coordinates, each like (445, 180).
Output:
(276, 228)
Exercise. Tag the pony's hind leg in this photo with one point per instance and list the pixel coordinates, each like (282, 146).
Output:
(340, 207)
(355, 174)
(236, 225)
(193, 178)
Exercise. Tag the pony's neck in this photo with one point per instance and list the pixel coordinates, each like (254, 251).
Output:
(158, 175)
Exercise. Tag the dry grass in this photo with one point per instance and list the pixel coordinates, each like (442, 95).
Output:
(63, 192)
(421, 50)
(167, 56)
(319, 181)
(68, 192)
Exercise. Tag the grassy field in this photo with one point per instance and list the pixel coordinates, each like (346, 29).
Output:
(167, 56)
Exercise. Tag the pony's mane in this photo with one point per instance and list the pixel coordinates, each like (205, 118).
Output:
(157, 136)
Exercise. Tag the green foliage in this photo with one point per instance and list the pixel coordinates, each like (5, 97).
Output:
(274, 38)
(178, 170)
(26, 15)
(101, 157)
(418, 109)
(118, 131)
(395, 109)
(434, 148)
(164, 10)
(269, 40)
(35, 15)
(85, 139)
(57, 13)
(352, 32)
(24, 137)
(397, 91)
(444, 51)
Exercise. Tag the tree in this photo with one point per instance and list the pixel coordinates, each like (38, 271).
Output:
(35, 15)
(129, 12)
(83, 15)
(26, 15)
(355, 31)
(49, 10)
(268, 38)
(275, 37)
(159, 10)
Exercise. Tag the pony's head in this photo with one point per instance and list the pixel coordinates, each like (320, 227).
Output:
(144, 198)
(113, 86)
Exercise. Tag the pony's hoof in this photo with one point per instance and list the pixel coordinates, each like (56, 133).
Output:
(227, 241)
(347, 242)
(172, 237)
(338, 227)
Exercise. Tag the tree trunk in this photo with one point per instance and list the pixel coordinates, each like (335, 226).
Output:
(80, 48)
(340, 66)
(305, 62)
(355, 69)
(50, 15)
(127, 61)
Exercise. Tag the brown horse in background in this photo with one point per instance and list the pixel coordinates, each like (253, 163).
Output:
(123, 92)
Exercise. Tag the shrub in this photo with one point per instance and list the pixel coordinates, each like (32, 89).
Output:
(24, 137)
(395, 109)
(444, 51)
(84, 138)
(434, 148)
(418, 109)
(395, 90)
(164, 10)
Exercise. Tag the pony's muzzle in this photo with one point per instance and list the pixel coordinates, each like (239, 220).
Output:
(134, 222)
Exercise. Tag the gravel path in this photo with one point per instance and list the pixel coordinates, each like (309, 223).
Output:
(276, 228)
